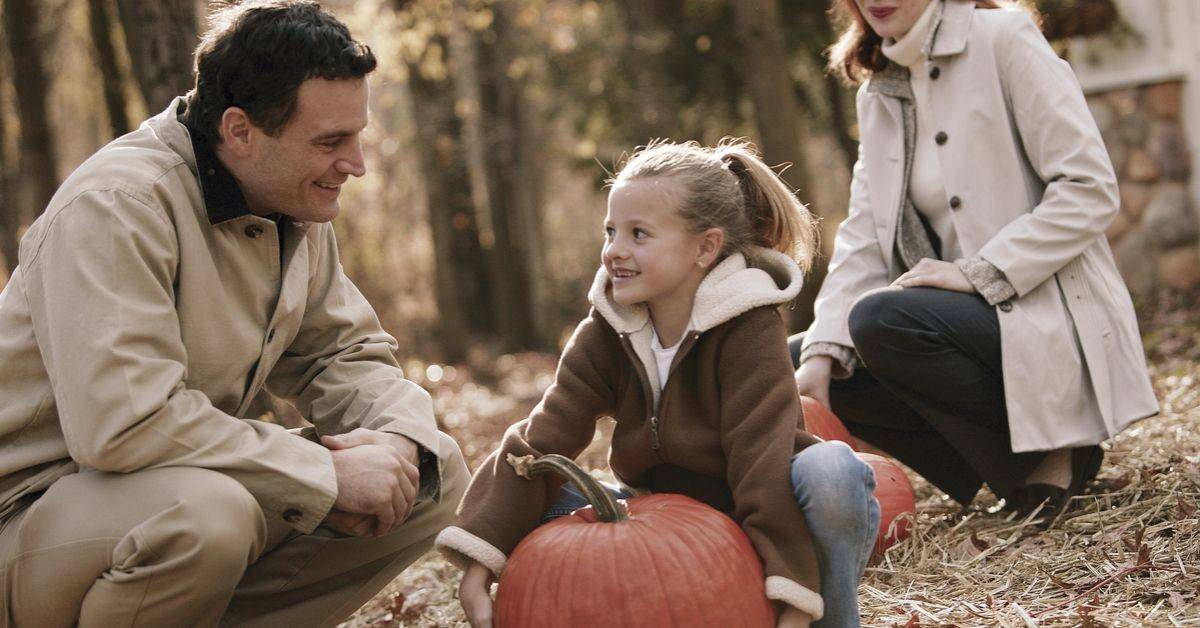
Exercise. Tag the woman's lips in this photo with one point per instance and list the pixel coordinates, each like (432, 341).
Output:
(880, 13)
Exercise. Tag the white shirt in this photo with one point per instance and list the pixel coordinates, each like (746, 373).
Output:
(663, 358)
(925, 182)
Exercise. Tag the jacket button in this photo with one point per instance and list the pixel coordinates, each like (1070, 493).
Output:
(291, 515)
(941, 138)
(1005, 306)
(254, 231)
(955, 202)
(935, 72)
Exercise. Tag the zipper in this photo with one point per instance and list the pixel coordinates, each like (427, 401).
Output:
(655, 412)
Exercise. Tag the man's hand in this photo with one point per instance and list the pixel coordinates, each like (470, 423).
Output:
(376, 474)
(350, 524)
(932, 273)
(812, 378)
(475, 596)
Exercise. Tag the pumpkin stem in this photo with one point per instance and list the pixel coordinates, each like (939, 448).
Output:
(607, 509)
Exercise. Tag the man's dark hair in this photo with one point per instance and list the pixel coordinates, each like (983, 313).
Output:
(256, 55)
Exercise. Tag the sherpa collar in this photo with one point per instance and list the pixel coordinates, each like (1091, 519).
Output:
(731, 288)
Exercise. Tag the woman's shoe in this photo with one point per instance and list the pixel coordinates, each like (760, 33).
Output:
(1053, 500)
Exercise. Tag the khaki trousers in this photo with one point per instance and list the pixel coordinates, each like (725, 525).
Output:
(182, 546)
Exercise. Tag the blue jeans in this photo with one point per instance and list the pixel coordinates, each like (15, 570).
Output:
(836, 493)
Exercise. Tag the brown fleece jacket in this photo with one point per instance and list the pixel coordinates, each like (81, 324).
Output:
(728, 423)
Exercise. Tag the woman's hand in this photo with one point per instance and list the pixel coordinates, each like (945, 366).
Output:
(792, 617)
(812, 378)
(932, 273)
(475, 596)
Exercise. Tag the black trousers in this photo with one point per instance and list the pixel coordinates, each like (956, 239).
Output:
(930, 391)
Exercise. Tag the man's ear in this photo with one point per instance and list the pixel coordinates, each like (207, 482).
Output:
(235, 129)
(711, 243)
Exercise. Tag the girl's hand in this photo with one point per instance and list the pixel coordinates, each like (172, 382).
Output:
(812, 378)
(932, 273)
(475, 596)
(792, 617)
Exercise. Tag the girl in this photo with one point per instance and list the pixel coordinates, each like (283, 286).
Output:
(1006, 348)
(684, 348)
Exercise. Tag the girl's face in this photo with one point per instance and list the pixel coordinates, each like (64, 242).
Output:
(649, 252)
(891, 19)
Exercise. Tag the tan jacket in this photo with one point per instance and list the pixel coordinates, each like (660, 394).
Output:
(134, 334)
(1035, 191)
(724, 430)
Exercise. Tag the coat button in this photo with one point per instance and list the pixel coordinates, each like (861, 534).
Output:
(935, 72)
(254, 231)
(955, 202)
(1006, 306)
(291, 515)
(941, 138)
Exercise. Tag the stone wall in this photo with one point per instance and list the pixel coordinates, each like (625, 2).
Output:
(1156, 237)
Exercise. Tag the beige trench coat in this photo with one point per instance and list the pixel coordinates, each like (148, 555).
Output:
(135, 333)
(1036, 191)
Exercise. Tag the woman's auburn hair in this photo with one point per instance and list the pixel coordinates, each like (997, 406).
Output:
(858, 51)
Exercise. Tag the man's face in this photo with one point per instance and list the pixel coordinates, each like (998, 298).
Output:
(300, 173)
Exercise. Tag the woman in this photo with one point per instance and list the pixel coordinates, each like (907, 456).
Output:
(973, 323)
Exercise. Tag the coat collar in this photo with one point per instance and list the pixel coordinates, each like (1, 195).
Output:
(948, 37)
(731, 288)
(223, 197)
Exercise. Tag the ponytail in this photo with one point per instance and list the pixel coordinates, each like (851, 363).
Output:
(778, 220)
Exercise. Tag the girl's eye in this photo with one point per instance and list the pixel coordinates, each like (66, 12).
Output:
(609, 232)
(640, 233)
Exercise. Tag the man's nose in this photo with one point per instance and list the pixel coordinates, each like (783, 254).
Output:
(353, 163)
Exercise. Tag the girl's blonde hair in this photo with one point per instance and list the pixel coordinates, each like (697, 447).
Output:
(729, 186)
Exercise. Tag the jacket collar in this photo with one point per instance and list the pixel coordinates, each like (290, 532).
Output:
(948, 37)
(731, 288)
(223, 198)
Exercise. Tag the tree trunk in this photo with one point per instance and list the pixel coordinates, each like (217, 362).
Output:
(776, 111)
(461, 296)
(106, 60)
(38, 159)
(161, 37)
(520, 175)
(10, 222)
(492, 179)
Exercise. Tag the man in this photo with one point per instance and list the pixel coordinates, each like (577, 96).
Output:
(176, 274)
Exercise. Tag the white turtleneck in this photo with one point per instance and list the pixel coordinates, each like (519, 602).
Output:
(925, 184)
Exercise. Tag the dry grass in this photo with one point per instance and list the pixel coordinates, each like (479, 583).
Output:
(1126, 554)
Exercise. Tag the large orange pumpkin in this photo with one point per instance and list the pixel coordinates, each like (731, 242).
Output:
(895, 495)
(820, 421)
(653, 561)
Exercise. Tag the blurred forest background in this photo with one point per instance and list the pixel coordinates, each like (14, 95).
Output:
(477, 230)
